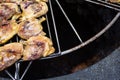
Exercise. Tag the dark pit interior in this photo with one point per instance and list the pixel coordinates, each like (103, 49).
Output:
(88, 20)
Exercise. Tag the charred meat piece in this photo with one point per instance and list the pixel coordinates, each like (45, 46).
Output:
(9, 54)
(36, 47)
(30, 27)
(7, 30)
(7, 10)
(33, 9)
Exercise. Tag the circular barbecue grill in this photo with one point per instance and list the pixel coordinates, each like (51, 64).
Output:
(71, 35)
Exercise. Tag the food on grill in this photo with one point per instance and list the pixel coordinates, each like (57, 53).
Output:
(115, 1)
(9, 54)
(7, 10)
(42, 0)
(33, 9)
(7, 30)
(23, 18)
(19, 1)
(12, 1)
(31, 27)
(36, 47)
(37, 0)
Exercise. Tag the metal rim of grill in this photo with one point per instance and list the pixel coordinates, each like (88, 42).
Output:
(82, 43)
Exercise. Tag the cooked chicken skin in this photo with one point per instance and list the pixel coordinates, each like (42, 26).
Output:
(7, 30)
(37, 0)
(31, 27)
(12, 1)
(9, 54)
(42, 0)
(36, 47)
(19, 1)
(7, 10)
(33, 9)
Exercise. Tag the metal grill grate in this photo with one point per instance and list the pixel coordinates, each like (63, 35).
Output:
(106, 3)
(56, 39)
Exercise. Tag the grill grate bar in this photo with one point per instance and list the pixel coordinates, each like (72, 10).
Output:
(25, 71)
(48, 26)
(54, 25)
(94, 37)
(17, 66)
(112, 4)
(106, 4)
(70, 23)
(9, 74)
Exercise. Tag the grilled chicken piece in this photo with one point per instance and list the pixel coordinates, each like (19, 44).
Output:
(31, 27)
(115, 1)
(33, 9)
(42, 0)
(12, 1)
(19, 1)
(38, 0)
(36, 47)
(7, 10)
(7, 30)
(9, 54)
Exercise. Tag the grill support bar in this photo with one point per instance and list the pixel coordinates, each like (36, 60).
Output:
(17, 66)
(105, 3)
(94, 37)
(26, 70)
(9, 74)
(54, 25)
(69, 21)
